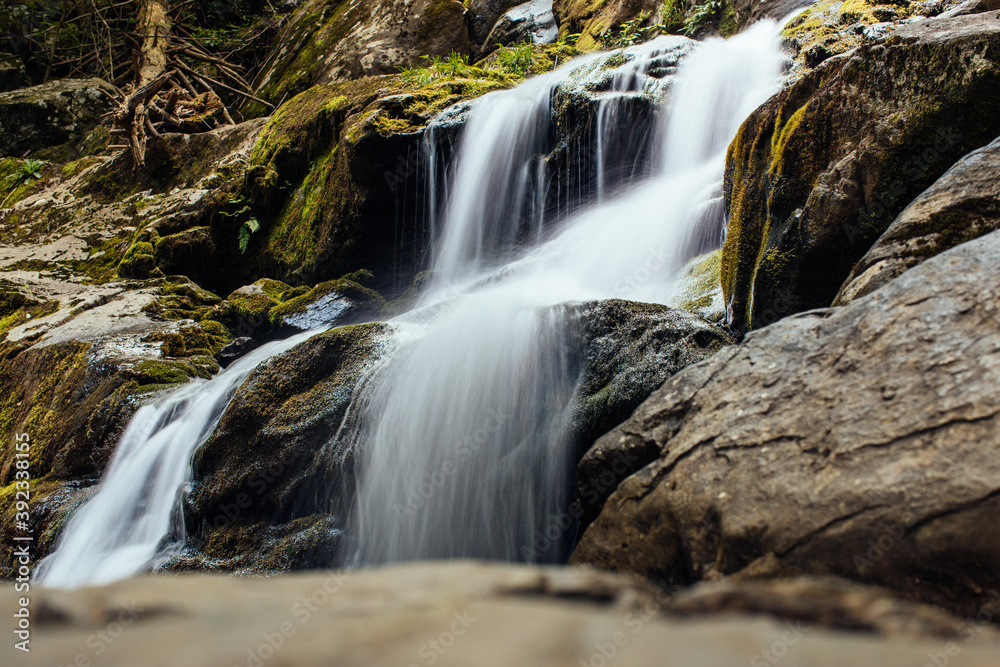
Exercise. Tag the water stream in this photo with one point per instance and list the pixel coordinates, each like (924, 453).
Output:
(463, 442)
(130, 521)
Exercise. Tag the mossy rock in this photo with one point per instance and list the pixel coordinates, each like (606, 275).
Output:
(51, 114)
(179, 298)
(188, 253)
(230, 543)
(818, 172)
(161, 373)
(245, 311)
(139, 262)
(267, 458)
(52, 502)
(73, 410)
(330, 302)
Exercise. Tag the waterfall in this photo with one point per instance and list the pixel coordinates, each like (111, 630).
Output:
(462, 441)
(463, 437)
(127, 523)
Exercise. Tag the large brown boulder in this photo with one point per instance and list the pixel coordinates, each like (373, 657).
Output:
(595, 19)
(861, 442)
(818, 172)
(961, 205)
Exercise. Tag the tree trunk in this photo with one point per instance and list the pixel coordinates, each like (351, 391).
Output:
(153, 29)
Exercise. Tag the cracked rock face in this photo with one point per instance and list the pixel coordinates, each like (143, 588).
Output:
(818, 172)
(860, 442)
(962, 205)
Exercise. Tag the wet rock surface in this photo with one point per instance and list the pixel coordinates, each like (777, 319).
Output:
(858, 442)
(961, 205)
(528, 22)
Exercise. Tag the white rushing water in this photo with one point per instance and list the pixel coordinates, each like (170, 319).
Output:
(462, 437)
(126, 524)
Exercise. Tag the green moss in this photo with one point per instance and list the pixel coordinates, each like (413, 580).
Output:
(156, 373)
(139, 261)
(27, 311)
(699, 287)
(344, 287)
(189, 341)
(181, 299)
(103, 258)
(16, 183)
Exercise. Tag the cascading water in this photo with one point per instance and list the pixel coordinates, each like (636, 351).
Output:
(462, 440)
(462, 437)
(126, 524)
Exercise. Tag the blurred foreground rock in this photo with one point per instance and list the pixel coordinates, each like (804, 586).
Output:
(459, 613)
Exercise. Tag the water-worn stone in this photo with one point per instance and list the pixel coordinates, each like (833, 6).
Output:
(860, 442)
(449, 614)
(50, 114)
(817, 173)
(483, 15)
(630, 349)
(273, 460)
(528, 22)
(961, 205)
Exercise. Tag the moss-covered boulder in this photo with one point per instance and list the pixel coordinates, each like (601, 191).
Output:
(327, 41)
(961, 205)
(333, 181)
(334, 302)
(273, 459)
(51, 114)
(818, 172)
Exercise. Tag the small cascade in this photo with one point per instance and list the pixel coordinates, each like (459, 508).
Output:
(489, 196)
(127, 524)
(462, 442)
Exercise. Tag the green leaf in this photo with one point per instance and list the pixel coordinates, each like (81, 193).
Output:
(246, 229)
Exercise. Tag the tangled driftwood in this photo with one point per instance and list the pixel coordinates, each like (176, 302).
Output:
(168, 94)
